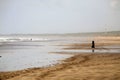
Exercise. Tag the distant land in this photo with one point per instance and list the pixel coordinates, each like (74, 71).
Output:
(109, 33)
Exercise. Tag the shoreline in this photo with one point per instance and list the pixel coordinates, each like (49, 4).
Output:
(86, 63)
(81, 66)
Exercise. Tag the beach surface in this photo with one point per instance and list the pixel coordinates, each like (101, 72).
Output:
(102, 64)
(79, 67)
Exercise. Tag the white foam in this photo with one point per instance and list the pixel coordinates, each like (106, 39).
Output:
(16, 39)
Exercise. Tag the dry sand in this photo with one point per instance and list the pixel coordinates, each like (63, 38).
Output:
(79, 67)
(87, 66)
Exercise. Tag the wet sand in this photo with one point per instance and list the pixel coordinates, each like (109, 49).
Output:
(82, 66)
(100, 43)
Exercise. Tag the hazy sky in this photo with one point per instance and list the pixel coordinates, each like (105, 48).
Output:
(59, 16)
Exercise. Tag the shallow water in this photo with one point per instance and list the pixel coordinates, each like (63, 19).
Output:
(102, 49)
(21, 57)
(33, 51)
(28, 54)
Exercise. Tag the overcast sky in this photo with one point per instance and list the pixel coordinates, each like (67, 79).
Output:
(59, 16)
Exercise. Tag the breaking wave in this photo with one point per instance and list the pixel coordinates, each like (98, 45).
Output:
(14, 39)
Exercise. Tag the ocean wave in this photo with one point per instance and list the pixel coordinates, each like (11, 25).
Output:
(9, 39)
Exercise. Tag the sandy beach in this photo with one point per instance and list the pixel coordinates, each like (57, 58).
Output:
(82, 66)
